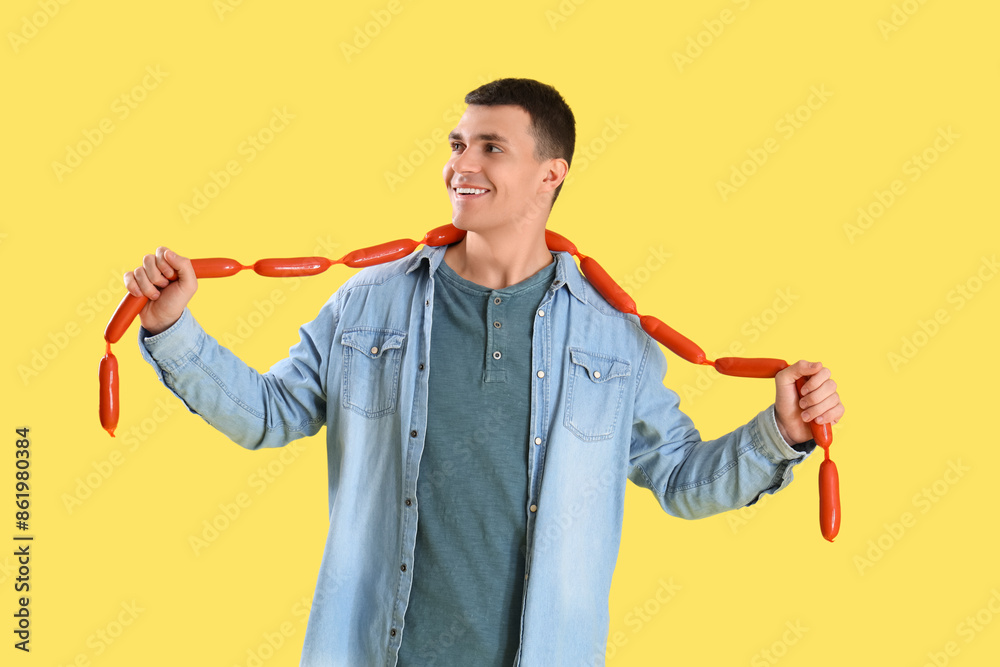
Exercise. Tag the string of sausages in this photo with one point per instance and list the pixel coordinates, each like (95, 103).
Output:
(218, 267)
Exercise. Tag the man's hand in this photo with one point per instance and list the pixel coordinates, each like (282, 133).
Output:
(819, 402)
(168, 280)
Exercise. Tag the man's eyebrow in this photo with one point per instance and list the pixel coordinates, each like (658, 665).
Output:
(488, 136)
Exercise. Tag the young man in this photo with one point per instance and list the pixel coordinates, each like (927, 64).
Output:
(477, 467)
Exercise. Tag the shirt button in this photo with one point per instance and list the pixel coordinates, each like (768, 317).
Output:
(408, 502)
(597, 375)
(427, 303)
(533, 508)
(538, 441)
(497, 301)
(413, 434)
(374, 350)
(403, 567)
(541, 374)
(496, 325)
(392, 633)
(421, 367)
(541, 313)
(496, 355)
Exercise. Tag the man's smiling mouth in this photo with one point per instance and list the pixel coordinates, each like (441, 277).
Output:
(470, 192)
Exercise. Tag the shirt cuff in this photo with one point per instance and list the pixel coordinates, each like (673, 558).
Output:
(172, 347)
(772, 437)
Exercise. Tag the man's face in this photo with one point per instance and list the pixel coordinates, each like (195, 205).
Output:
(493, 153)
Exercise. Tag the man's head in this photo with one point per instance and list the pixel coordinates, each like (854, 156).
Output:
(515, 140)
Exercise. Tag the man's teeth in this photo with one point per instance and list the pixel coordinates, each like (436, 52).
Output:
(469, 191)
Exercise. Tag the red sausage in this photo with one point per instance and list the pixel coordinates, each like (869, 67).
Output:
(291, 266)
(216, 267)
(676, 343)
(559, 243)
(822, 433)
(829, 499)
(377, 254)
(607, 287)
(758, 367)
(122, 319)
(108, 408)
(128, 309)
(443, 235)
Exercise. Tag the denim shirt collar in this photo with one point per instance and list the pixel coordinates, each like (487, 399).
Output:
(566, 272)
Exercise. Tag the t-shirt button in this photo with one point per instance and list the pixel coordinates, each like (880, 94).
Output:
(496, 355)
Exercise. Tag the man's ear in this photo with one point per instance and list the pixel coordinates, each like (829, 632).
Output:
(555, 174)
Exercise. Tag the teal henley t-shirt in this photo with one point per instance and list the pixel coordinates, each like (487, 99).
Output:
(472, 488)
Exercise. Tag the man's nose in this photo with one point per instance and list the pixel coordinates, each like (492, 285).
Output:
(465, 163)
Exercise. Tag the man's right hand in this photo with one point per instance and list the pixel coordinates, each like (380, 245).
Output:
(168, 280)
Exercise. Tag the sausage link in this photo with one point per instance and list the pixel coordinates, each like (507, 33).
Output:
(559, 243)
(377, 254)
(443, 235)
(216, 267)
(291, 266)
(673, 341)
(829, 499)
(108, 407)
(607, 287)
(126, 311)
(756, 367)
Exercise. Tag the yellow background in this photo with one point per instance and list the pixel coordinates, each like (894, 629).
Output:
(884, 593)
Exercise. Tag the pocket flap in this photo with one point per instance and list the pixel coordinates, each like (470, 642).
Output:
(599, 367)
(373, 342)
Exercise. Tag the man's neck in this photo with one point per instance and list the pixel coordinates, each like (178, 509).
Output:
(499, 259)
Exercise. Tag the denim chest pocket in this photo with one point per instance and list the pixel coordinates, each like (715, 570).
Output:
(594, 395)
(372, 358)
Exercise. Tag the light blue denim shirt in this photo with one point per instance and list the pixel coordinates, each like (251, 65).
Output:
(600, 414)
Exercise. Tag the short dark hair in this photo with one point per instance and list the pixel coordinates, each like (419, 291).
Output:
(552, 124)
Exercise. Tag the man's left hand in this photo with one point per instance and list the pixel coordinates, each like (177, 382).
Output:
(819, 401)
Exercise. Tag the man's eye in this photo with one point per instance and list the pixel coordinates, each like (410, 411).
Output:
(492, 146)
(455, 145)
